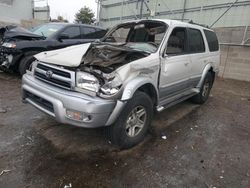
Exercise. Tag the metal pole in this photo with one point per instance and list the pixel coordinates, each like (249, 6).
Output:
(245, 34)
(184, 7)
(98, 11)
(168, 7)
(202, 4)
(141, 9)
(224, 13)
(122, 11)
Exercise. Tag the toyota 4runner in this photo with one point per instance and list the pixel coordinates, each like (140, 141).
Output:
(118, 82)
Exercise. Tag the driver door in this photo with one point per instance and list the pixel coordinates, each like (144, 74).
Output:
(175, 65)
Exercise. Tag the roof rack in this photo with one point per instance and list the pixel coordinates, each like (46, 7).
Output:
(190, 21)
(203, 25)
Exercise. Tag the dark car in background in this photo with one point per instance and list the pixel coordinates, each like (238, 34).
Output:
(18, 45)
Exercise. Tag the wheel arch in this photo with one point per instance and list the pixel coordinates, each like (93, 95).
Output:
(208, 68)
(142, 84)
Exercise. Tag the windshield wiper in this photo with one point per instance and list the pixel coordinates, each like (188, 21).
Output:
(43, 35)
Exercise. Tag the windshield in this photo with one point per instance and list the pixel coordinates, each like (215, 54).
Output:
(46, 30)
(144, 36)
(16, 29)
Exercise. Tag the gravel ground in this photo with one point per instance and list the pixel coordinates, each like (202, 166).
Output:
(205, 146)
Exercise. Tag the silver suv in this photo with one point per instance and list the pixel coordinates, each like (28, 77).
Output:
(118, 82)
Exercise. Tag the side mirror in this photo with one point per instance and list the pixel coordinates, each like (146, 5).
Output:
(63, 36)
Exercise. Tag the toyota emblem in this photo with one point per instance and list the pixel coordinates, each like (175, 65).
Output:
(49, 74)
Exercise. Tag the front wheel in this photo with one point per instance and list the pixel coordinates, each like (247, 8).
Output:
(26, 64)
(133, 123)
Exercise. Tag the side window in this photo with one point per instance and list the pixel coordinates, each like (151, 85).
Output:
(177, 42)
(212, 41)
(88, 33)
(195, 41)
(72, 32)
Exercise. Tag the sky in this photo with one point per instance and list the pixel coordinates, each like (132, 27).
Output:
(68, 8)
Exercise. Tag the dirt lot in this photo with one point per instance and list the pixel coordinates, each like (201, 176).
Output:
(205, 146)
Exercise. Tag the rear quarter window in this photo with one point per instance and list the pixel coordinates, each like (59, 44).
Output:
(212, 40)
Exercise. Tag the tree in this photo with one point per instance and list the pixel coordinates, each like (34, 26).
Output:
(85, 15)
(61, 19)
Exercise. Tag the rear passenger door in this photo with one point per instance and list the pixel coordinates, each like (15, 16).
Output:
(198, 54)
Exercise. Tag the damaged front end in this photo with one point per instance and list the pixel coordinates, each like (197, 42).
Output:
(97, 72)
(7, 56)
(103, 68)
(10, 52)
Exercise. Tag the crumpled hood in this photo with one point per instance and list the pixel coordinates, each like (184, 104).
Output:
(19, 32)
(69, 57)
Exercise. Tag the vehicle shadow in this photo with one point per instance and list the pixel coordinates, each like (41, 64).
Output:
(89, 143)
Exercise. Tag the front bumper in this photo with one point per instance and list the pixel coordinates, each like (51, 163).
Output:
(55, 101)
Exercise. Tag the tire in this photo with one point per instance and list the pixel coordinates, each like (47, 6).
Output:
(128, 130)
(25, 64)
(203, 95)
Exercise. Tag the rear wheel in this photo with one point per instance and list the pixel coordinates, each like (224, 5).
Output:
(132, 125)
(203, 95)
(25, 64)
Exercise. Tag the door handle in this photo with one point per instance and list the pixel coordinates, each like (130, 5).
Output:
(186, 64)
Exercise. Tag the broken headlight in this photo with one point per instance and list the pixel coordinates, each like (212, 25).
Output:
(87, 81)
(9, 45)
(112, 86)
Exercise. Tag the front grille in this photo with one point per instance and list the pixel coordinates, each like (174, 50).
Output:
(40, 101)
(56, 71)
(54, 75)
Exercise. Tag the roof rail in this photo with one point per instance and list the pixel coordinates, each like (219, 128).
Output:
(190, 21)
(203, 25)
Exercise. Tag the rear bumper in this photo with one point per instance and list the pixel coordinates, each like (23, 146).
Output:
(55, 102)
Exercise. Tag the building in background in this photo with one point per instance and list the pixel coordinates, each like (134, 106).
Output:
(200, 11)
(229, 18)
(22, 12)
(42, 13)
(14, 11)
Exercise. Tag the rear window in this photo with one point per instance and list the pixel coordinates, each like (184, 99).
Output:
(212, 40)
(195, 39)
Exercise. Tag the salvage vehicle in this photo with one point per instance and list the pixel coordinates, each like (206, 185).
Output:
(19, 45)
(138, 68)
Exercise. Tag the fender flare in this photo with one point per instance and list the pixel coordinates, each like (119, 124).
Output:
(204, 73)
(133, 85)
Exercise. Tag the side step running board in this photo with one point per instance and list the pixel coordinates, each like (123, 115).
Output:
(167, 103)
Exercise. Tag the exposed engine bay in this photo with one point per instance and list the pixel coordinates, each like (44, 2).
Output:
(101, 61)
(108, 57)
(124, 44)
